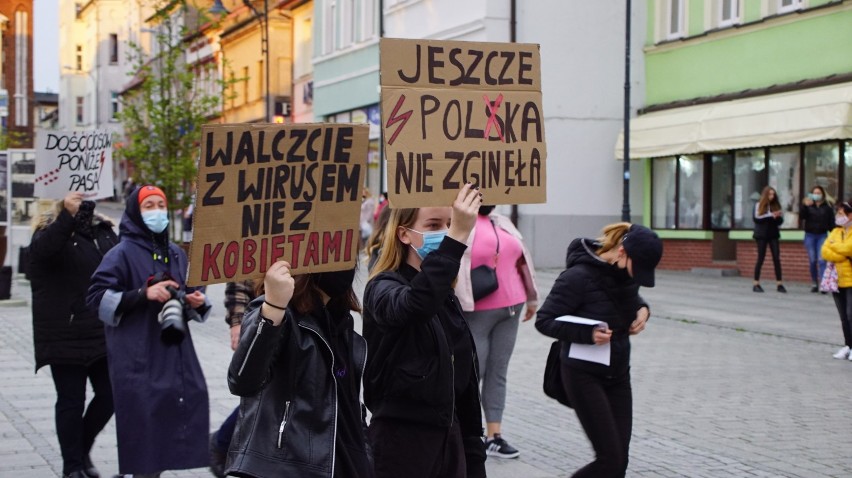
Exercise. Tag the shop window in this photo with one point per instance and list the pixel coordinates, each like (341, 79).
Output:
(690, 192)
(664, 193)
(821, 168)
(847, 163)
(749, 179)
(784, 176)
(678, 193)
(721, 198)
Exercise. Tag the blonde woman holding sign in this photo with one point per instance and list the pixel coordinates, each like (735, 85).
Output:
(421, 382)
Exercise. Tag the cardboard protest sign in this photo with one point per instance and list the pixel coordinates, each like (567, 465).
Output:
(456, 112)
(69, 161)
(277, 192)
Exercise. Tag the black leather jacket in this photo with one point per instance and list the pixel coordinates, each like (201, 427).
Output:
(289, 412)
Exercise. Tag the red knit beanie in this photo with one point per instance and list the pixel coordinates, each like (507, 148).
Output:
(146, 191)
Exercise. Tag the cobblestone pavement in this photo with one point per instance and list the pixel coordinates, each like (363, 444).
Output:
(727, 383)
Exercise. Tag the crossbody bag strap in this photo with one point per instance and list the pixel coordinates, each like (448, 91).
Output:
(496, 236)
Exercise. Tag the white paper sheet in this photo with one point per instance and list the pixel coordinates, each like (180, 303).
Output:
(590, 353)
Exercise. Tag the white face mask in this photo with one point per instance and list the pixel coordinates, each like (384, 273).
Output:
(841, 220)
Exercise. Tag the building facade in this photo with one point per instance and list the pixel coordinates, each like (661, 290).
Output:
(346, 70)
(251, 96)
(16, 72)
(736, 100)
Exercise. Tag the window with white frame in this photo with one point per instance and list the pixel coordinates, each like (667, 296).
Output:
(785, 6)
(329, 26)
(368, 19)
(729, 12)
(80, 103)
(79, 58)
(113, 106)
(674, 19)
(113, 48)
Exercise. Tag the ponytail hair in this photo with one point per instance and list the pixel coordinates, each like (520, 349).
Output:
(612, 236)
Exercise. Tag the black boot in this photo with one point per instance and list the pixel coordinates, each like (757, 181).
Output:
(90, 469)
(75, 474)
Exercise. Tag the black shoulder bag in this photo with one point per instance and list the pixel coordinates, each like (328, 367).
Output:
(483, 279)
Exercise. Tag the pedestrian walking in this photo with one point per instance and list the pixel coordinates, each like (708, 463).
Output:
(767, 217)
(837, 248)
(374, 243)
(67, 245)
(493, 319)
(421, 383)
(161, 405)
(298, 367)
(365, 223)
(601, 282)
(817, 217)
(238, 296)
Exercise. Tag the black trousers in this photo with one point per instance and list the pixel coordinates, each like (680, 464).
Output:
(604, 407)
(761, 255)
(843, 301)
(78, 425)
(413, 450)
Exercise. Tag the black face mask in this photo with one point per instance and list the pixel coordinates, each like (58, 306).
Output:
(485, 210)
(335, 284)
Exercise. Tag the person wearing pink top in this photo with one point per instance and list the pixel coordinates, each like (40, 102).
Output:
(494, 319)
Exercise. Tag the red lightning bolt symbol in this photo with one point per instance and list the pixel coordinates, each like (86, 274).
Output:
(403, 118)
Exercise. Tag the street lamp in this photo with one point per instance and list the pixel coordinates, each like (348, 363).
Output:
(218, 8)
(263, 18)
(625, 205)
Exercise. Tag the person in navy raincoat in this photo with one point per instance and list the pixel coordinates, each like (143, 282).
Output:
(160, 395)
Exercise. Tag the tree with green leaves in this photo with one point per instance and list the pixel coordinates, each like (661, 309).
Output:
(167, 103)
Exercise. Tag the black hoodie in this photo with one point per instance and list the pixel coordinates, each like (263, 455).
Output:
(590, 287)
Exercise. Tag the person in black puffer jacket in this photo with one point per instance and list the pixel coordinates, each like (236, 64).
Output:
(601, 282)
(817, 214)
(768, 215)
(67, 245)
(421, 383)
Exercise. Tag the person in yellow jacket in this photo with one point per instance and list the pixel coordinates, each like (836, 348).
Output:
(838, 249)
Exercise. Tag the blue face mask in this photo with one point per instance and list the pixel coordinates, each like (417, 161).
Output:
(156, 220)
(431, 241)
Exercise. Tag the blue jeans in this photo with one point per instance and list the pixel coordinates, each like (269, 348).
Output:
(813, 244)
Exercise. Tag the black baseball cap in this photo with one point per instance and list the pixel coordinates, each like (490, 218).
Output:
(645, 249)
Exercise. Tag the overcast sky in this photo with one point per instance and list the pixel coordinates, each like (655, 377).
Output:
(46, 45)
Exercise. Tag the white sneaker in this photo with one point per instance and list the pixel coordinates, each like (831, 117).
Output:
(843, 354)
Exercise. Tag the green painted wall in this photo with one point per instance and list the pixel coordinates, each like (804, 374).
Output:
(649, 23)
(756, 57)
(695, 22)
(751, 11)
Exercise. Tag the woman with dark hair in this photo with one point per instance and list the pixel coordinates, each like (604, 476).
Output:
(818, 217)
(767, 217)
(838, 249)
(298, 367)
(421, 383)
(601, 282)
(161, 404)
(67, 245)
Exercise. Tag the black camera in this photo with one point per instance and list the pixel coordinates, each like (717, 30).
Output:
(175, 314)
(87, 206)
